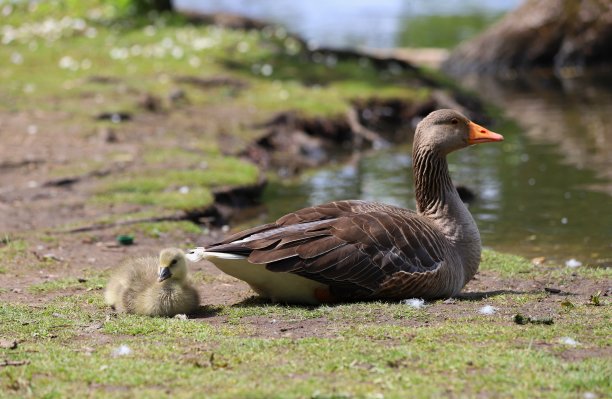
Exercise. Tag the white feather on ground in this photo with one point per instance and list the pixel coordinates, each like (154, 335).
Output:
(487, 310)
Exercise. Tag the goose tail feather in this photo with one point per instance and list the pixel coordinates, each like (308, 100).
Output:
(199, 253)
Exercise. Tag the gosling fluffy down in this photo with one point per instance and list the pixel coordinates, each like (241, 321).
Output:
(153, 287)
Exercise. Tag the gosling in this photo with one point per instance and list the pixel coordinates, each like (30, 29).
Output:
(153, 287)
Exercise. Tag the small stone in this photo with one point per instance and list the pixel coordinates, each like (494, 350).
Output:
(150, 102)
(180, 316)
(51, 256)
(573, 263)
(93, 327)
(115, 117)
(8, 344)
(538, 261)
(177, 96)
(107, 135)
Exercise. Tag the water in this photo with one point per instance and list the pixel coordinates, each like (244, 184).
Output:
(369, 23)
(545, 191)
(528, 201)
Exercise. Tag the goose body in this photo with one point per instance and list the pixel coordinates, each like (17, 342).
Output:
(153, 286)
(360, 250)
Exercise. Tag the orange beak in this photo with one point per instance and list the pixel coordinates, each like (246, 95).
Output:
(479, 134)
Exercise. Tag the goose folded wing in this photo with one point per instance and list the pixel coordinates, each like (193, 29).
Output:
(348, 251)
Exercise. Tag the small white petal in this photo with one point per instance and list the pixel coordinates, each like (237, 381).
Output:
(487, 309)
(416, 303)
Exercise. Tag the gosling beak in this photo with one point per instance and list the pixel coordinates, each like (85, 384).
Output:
(164, 273)
(479, 134)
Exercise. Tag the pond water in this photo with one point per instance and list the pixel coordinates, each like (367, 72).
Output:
(545, 191)
(529, 201)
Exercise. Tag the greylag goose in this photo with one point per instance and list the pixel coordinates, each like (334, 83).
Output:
(358, 250)
(153, 286)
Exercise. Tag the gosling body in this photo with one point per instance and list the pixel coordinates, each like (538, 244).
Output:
(153, 286)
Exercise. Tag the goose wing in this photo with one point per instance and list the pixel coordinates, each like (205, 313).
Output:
(353, 246)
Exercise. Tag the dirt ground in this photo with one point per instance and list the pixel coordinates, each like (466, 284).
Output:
(36, 209)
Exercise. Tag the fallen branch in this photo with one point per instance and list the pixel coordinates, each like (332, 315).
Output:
(20, 164)
(68, 181)
(6, 363)
(363, 132)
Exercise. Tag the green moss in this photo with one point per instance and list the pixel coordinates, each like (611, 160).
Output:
(69, 283)
(156, 156)
(160, 229)
(165, 188)
(444, 31)
(512, 266)
(505, 264)
(197, 198)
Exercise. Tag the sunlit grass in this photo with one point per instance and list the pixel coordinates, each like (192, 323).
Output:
(361, 357)
(178, 189)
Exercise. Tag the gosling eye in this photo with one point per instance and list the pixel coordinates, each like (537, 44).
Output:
(173, 262)
(454, 121)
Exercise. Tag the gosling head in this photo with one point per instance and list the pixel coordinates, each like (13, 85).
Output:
(447, 130)
(172, 265)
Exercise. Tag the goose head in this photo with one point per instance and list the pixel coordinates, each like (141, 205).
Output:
(447, 130)
(172, 265)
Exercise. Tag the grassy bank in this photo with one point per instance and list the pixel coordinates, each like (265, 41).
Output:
(69, 343)
(191, 96)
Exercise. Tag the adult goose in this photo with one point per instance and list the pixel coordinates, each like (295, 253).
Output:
(359, 250)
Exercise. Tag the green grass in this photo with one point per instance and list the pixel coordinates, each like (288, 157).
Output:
(162, 188)
(160, 229)
(365, 350)
(365, 354)
(515, 266)
(506, 265)
(56, 51)
(147, 55)
(12, 249)
(69, 283)
(444, 31)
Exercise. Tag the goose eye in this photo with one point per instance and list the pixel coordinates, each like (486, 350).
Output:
(173, 262)
(454, 121)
